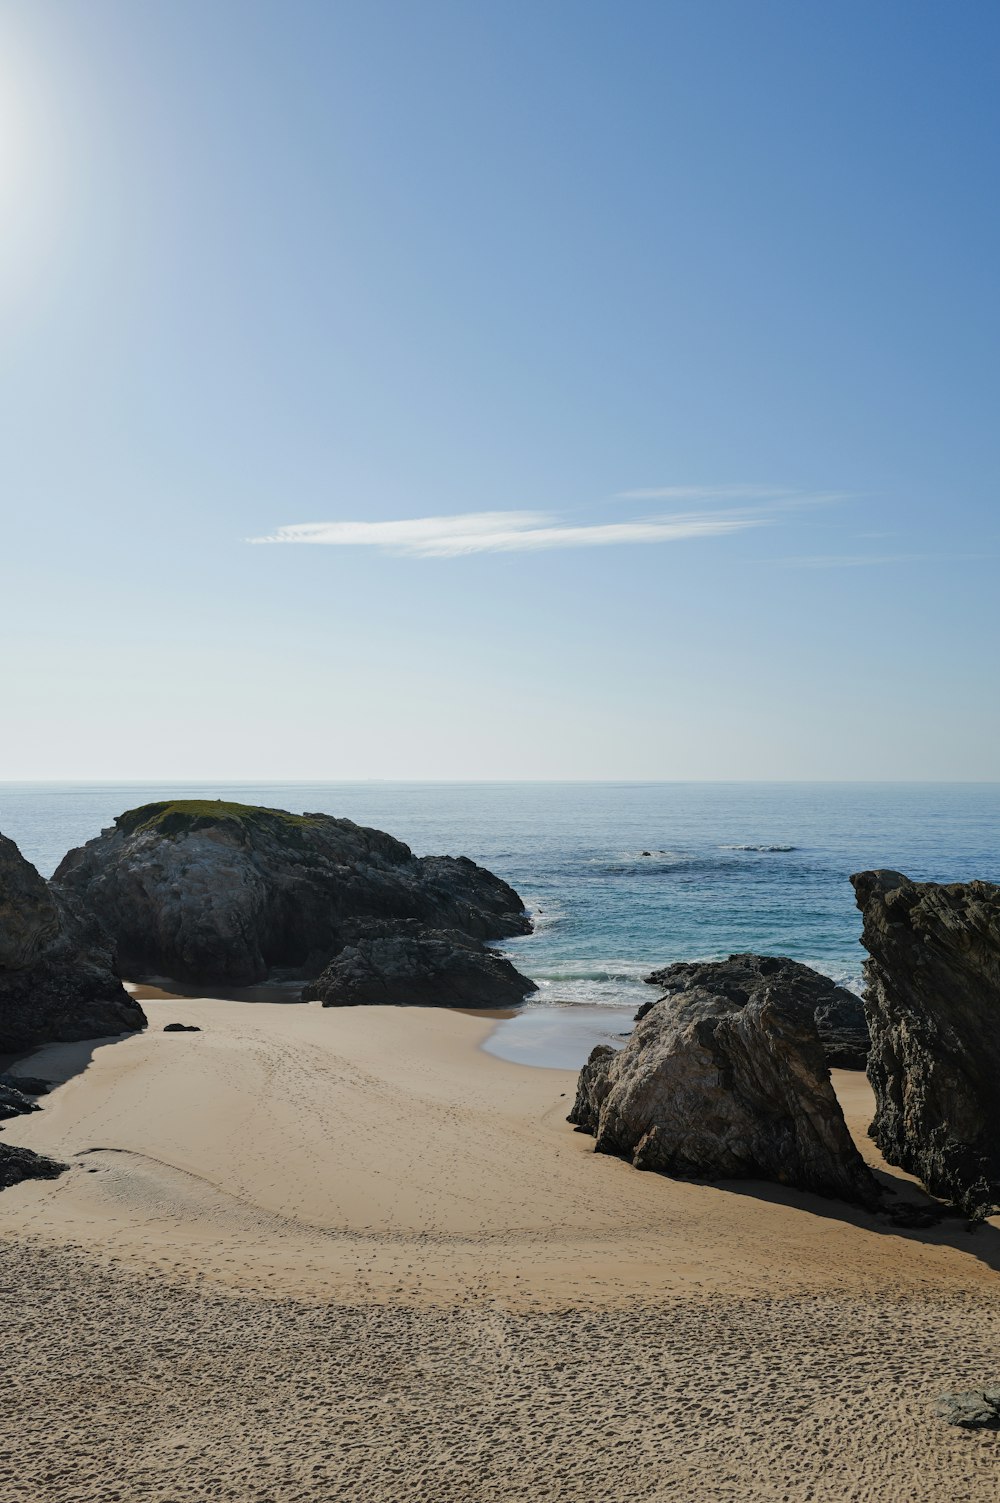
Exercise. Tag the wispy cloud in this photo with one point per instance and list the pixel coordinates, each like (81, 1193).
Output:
(506, 532)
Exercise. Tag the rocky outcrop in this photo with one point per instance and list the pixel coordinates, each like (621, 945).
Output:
(14, 1102)
(216, 893)
(57, 971)
(17, 1164)
(708, 1087)
(30, 1085)
(410, 964)
(839, 1014)
(933, 1003)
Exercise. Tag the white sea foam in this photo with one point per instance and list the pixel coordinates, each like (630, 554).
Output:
(758, 847)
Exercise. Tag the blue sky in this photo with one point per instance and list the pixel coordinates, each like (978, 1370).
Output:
(616, 386)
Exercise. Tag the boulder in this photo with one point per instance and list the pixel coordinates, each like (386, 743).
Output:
(406, 963)
(839, 1014)
(933, 1004)
(181, 1028)
(57, 967)
(215, 893)
(17, 1164)
(976, 1409)
(708, 1087)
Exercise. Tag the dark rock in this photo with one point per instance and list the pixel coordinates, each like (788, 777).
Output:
(933, 1003)
(31, 1085)
(17, 1164)
(711, 1088)
(406, 963)
(14, 1103)
(57, 967)
(839, 1014)
(218, 893)
(977, 1409)
(181, 1028)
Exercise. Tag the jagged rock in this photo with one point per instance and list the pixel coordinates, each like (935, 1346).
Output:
(406, 963)
(14, 1103)
(839, 1014)
(181, 1028)
(31, 1085)
(57, 971)
(933, 1004)
(592, 1087)
(977, 1409)
(711, 1088)
(211, 892)
(17, 1164)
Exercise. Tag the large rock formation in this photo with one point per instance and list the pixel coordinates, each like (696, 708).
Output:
(57, 972)
(839, 1014)
(708, 1087)
(933, 1003)
(408, 963)
(217, 893)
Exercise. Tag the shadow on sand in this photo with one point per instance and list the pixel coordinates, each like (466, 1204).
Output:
(58, 1063)
(980, 1240)
(175, 991)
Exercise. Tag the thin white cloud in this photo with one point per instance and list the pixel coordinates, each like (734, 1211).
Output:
(504, 532)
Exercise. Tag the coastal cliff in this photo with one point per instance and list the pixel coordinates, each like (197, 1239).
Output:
(58, 979)
(215, 893)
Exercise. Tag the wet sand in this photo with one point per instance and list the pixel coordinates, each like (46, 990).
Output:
(315, 1254)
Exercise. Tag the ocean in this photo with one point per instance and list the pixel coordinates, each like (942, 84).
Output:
(621, 877)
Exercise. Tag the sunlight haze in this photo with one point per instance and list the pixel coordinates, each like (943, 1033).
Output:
(460, 392)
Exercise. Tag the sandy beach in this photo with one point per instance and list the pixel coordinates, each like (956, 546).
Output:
(309, 1254)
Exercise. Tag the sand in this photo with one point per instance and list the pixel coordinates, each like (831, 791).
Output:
(314, 1254)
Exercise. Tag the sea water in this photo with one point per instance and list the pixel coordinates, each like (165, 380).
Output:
(619, 877)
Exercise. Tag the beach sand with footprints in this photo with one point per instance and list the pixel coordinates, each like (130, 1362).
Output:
(310, 1254)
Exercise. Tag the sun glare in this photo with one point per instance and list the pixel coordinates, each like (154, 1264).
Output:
(28, 190)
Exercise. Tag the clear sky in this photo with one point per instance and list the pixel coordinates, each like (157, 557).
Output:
(611, 389)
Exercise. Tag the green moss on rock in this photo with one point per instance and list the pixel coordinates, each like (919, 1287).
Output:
(182, 815)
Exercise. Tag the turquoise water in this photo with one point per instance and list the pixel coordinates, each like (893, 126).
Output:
(732, 866)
